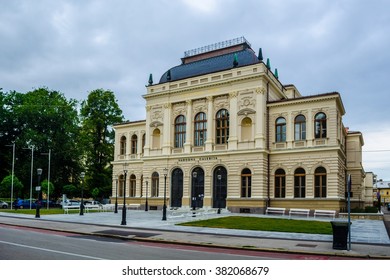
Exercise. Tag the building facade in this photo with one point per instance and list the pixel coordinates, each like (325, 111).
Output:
(222, 131)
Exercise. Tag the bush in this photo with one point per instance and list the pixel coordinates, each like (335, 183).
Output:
(368, 209)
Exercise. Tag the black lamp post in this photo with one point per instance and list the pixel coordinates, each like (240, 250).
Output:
(123, 223)
(146, 200)
(219, 177)
(116, 194)
(82, 175)
(164, 218)
(38, 188)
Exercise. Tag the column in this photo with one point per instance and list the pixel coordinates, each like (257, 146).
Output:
(289, 131)
(260, 126)
(147, 131)
(210, 124)
(309, 129)
(232, 142)
(166, 148)
(189, 128)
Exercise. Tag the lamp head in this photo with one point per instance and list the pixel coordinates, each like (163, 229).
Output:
(39, 171)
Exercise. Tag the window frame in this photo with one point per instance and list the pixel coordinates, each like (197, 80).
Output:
(280, 183)
(134, 142)
(320, 126)
(300, 128)
(246, 183)
(320, 182)
(222, 127)
(180, 131)
(280, 130)
(200, 129)
(300, 183)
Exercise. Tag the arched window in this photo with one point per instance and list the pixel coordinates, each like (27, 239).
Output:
(122, 146)
(133, 184)
(299, 183)
(180, 131)
(280, 129)
(156, 139)
(280, 183)
(320, 182)
(200, 129)
(246, 129)
(320, 125)
(300, 127)
(246, 183)
(222, 126)
(134, 141)
(155, 184)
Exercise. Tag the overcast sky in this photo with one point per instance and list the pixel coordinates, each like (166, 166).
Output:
(319, 46)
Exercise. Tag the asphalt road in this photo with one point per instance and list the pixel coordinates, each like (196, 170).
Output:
(18, 243)
(21, 243)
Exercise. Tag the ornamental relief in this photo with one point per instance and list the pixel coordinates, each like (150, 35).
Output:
(221, 103)
(199, 106)
(179, 109)
(246, 101)
(157, 114)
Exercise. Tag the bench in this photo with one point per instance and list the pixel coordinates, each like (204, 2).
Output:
(328, 213)
(295, 211)
(275, 210)
(134, 206)
(108, 207)
(70, 207)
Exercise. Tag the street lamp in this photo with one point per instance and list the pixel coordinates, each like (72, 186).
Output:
(82, 175)
(123, 223)
(146, 200)
(116, 194)
(165, 172)
(219, 177)
(38, 189)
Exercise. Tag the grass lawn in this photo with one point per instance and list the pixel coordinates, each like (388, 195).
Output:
(265, 224)
(42, 211)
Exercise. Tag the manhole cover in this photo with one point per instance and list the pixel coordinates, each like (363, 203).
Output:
(126, 233)
(306, 245)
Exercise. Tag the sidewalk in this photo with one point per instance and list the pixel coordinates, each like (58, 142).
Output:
(369, 238)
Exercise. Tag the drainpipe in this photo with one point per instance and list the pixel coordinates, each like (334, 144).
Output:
(268, 202)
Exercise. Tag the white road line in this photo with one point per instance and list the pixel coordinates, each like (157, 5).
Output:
(49, 250)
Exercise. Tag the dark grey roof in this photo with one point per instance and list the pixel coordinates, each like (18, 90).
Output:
(210, 65)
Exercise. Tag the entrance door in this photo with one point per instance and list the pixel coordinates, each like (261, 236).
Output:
(176, 187)
(197, 192)
(219, 187)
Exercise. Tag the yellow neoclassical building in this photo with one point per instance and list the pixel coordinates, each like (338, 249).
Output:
(222, 131)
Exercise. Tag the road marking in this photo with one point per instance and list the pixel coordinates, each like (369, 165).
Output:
(49, 250)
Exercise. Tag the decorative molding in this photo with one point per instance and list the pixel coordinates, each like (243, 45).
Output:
(261, 90)
(246, 111)
(156, 124)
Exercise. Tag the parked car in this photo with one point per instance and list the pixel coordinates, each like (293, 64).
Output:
(388, 206)
(3, 204)
(52, 203)
(23, 203)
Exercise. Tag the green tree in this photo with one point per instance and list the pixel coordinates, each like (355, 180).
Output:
(98, 113)
(6, 186)
(70, 191)
(42, 120)
(47, 186)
